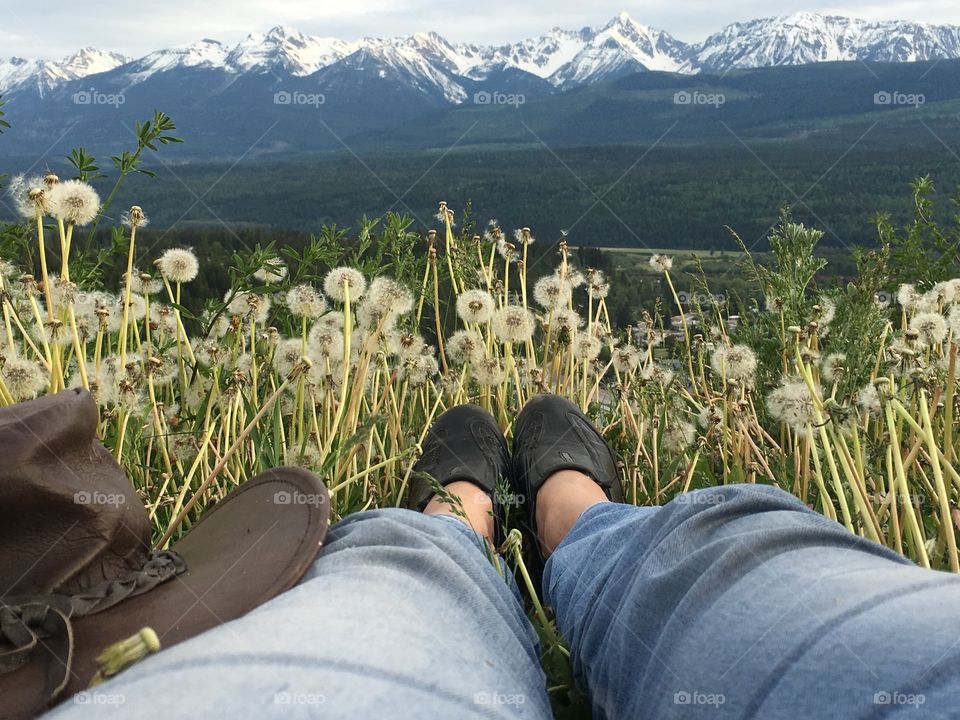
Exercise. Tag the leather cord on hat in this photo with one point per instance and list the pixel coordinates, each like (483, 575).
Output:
(27, 621)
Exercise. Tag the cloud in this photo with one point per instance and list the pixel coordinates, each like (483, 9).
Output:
(59, 27)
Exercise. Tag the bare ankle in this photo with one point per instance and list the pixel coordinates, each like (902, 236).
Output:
(470, 503)
(560, 502)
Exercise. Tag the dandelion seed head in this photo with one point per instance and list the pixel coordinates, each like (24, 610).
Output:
(710, 416)
(827, 312)
(250, 305)
(134, 218)
(304, 301)
(792, 404)
(179, 265)
(325, 343)
(505, 248)
(661, 263)
(513, 324)
(404, 345)
(931, 328)
(774, 304)
(418, 369)
(24, 379)
(138, 307)
(475, 306)
(74, 202)
(735, 362)
(658, 374)
(678, 437)
(488, 372)
(626, 358)
(286, 356)
(586, 347)
(833, 367)
(551, 292)
(908, 296)
(163, 319)
(143, 283)
(868, 399)
(344, 277)
(465, 346)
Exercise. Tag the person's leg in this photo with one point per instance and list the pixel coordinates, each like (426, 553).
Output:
(402, 616)
(739, 601)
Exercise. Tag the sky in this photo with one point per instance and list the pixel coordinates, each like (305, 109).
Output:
(56, 28)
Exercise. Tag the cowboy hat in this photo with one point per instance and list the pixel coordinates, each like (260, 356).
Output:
(82, 591)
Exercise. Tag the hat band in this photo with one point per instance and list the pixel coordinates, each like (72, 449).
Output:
(29, 621)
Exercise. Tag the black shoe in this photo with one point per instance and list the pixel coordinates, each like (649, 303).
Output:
(552, 434)
(464, 443)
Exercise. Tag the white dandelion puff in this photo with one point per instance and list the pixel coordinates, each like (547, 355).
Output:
(74, 202)
(513, 323)
(287, 355)
(488, 372)
(626, 358)
(710, 416)
(344, 277)
(833, 367)
(868, 399)
(24, 379)
(586, 347)
(179, 265)
(30, 195)
(661, 263)
(678, 437)
(551, 292)
(304, 301)
(735, 362)
(475, 306)
(465, 346)
(931, 328)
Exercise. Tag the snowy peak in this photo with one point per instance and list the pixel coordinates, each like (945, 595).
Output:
(809, 37)
(288, 50)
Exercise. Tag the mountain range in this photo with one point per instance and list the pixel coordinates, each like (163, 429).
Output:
(284, 91)
(563, 58)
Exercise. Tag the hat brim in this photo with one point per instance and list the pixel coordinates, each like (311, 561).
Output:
(251, 546)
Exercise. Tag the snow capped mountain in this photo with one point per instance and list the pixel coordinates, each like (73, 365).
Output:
(44, 75)
(286, 49)
(560, 59)
(808, 37)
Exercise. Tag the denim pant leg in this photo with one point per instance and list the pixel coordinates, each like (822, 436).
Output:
(741, 602)
(402, 616)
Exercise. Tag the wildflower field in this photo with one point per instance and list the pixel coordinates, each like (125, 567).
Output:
(338, 357)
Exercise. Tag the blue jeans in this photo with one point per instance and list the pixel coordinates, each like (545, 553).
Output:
(725, 603)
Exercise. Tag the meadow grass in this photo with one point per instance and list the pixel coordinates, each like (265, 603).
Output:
(339, 358)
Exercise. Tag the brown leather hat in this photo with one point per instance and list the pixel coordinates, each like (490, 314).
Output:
(77, 572)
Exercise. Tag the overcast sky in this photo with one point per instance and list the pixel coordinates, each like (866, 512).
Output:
(54, 28)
